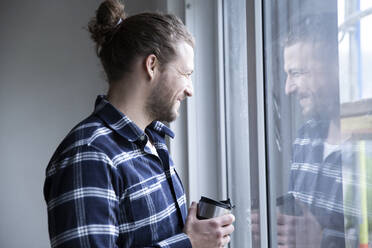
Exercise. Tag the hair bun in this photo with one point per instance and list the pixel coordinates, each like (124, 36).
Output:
(107, 17)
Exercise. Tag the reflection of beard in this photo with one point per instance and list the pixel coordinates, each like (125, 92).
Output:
(325, 105)
(318, 110)
(159, 105)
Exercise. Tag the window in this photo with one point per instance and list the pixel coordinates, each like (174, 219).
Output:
(300, 158)
(236, 94)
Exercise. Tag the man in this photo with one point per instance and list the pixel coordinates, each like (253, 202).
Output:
(311, 65)
(111, 182)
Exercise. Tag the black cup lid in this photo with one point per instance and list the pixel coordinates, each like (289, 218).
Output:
(223, 204)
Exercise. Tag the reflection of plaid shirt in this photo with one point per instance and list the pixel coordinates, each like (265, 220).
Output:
(104, 187)
(317, 182)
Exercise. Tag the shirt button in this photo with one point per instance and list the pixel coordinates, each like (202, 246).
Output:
(143, 138)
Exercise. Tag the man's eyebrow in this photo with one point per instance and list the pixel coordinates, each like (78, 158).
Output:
(295, 70)
(186, 72)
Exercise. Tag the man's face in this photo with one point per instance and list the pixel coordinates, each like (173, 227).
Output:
(307, 78)
(173, 85)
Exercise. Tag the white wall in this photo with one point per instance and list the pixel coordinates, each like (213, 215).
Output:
(49, 79)
(137, 6)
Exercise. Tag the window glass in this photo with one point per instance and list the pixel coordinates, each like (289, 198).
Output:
(240, 175)
(318, 96)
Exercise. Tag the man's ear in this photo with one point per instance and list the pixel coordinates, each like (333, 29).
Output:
(151, 64)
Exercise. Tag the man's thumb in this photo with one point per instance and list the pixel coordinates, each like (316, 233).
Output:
(193, 209)
(304, 208)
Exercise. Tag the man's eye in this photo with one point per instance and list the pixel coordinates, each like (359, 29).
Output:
(187, 75)
(297, 73)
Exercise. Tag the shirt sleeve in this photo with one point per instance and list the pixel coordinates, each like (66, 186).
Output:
(82, 201)
(178, 241)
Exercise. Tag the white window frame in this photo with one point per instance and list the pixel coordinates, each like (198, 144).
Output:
(193, 149)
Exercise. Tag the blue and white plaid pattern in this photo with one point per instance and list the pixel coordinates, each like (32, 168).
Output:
(104, 187)
(317, 182)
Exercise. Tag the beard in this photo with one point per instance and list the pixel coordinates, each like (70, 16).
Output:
(160, 106)
(324, 106)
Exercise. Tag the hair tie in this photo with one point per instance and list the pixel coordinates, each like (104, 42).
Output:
(120, 20)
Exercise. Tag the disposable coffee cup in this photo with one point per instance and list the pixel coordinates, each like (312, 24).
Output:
(208, 208)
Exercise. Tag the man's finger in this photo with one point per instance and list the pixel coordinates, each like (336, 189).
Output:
(255, 218)
(192, 210)
(227, 230)
(288, 240)
(226, 219)
(286, 230)
(225, 240)
(281, 230)
(286, 246)
(282, 219)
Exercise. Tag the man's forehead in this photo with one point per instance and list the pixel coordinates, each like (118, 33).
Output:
(184, 56)
(308, 49)
(298, 48)
(301, 53)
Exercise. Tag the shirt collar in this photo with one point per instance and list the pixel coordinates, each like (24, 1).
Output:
(319, 128)
(159, 127)
(121, 124)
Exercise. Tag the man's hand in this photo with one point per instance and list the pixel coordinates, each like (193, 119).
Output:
(255, 221)
(298, 231)
(210, 233)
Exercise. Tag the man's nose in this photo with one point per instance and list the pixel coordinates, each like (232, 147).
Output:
(290, 86)
(189, 90)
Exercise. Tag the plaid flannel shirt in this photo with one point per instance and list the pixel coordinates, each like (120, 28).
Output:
(104, 187)
(317, 182)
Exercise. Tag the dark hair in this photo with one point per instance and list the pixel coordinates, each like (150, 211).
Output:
(120, 39)
(318, 29)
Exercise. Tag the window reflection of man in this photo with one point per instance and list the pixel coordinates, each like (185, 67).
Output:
(311, 65)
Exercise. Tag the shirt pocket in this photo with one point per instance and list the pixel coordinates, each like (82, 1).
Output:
(151, 207)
